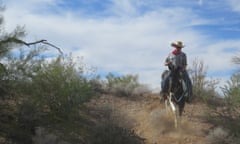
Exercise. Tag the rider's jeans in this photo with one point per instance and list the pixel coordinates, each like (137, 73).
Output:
(188, 83)
(165, 82)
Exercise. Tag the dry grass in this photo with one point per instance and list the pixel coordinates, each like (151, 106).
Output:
(220, 136)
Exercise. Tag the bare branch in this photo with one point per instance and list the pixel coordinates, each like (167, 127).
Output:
(33, 43)
(18, 41)
(44, 42)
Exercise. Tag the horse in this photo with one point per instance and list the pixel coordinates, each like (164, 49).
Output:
(176, 91)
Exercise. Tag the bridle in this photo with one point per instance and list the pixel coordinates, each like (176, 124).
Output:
(175, 83)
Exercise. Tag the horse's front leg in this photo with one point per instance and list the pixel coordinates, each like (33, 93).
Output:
(181, 106)
(174, 110)
(171, 103)
(167, 105)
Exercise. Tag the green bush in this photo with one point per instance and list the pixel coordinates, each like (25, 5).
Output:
(227, 114)
(37, 91)
(203, 88)
(220, 135)
(126, 85)
(60, 87)
(44, 92)
(108, 133)
(231, 91)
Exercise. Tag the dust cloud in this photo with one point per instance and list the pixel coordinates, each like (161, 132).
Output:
(156, 125)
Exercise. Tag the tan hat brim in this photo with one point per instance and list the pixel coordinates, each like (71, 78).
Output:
(175, 45)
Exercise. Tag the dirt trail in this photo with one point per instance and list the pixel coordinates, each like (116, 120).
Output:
(149, 120)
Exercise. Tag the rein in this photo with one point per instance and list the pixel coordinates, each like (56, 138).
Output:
(175, 76)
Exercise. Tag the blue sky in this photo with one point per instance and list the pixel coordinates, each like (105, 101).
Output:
(134, 36)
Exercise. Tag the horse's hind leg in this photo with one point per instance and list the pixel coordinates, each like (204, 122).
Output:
(176, 121)
(180, 111)
(181, 108)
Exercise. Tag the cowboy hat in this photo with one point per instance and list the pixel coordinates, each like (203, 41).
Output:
(177, 44)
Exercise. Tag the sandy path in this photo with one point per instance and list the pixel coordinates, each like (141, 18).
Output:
(148, 118)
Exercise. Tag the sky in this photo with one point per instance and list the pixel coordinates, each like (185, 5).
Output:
(134, 36)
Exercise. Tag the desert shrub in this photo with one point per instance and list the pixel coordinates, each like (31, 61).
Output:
(220, 135)
(203, 88)
(99, 85)
(231, 90)
(21, 66)
(228, 114)
(42, 136)
(10, 85)
(59, 88)
(39, 91)
(126, 85)
(44, 92)
(231, 93)
(108, 133)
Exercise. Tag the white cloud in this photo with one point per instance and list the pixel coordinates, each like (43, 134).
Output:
(137, 44)
(123, 7)
(219, 56)
(200, 2)
(235, 4)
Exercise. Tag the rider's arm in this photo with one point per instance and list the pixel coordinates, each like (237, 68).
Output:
(184, 61)
(167, 61)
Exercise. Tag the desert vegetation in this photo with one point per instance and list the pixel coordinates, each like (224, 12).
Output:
(46, 100)
(42, 98)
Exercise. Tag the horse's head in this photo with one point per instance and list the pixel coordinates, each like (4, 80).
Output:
(175, 88)
(176, 72)
(176, 81)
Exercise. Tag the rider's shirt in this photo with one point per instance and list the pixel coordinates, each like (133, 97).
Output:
(178, 60)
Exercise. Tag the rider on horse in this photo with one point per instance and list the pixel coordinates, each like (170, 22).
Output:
(177, 60)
